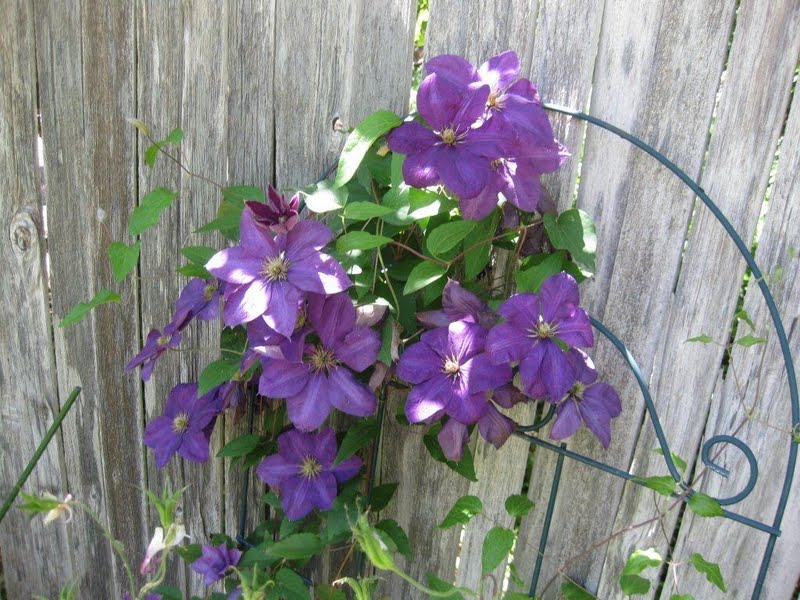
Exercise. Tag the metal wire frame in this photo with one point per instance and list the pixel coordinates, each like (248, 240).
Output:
(773, 530)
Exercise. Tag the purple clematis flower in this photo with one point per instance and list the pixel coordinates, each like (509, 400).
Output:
(185, 427)
(323, 376)
(216, 562)
(269, 276)
(459, 304)
(303, 470)
(588, 401)
(532, 324)
(199, 299)
(277, 214)
(450, 371)
(454, 151)
(155, 345)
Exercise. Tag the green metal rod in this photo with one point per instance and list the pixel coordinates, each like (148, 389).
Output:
(38, 454)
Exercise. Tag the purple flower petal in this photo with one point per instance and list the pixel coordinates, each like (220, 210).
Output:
(500, 71)
(468, 409)
(282, 310)
(428, 398)
(557, 372)
(251, 235)
(246, 303)
(521, 310)
(506, 343)
(418, 363)
(452, 438)
(307, 235)
(465, 340)
(568, 420)
(194, 447)
(419, 169)
(295, 445)
(480, 374)
(235, 265)
(576, 330)
(347, 469)
(495, 427)
(318, 273)
(359, 348)
(281, 378)
(332, 317)
(274, 469)
(439, 101)
(325, 450)
(309, 408)
(463, 172)
(411, 138)
(350, 396)
(455, 69)
(559, 297)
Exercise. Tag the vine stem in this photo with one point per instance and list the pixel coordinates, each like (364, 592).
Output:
(12, 495)
(181, 165)
(420, 255)
(429, 591)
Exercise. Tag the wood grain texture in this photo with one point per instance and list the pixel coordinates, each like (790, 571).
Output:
(762, 385)
(85, 62)
(738, 165)
(37, 559)
(646, 58)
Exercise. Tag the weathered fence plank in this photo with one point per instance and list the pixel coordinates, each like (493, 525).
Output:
(761, 383)
(85, 63)
(662, 51)
(738, 165)
(28, 396)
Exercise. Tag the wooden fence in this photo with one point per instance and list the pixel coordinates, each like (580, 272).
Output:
(257, 85)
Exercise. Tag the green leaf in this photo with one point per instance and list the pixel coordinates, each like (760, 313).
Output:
(80, 310)
(709, 569)
(233, 342)
(288, 586)
(123, 258)
(168, 592)
(462, 512)
(396, 533)
(447, 236)
(297, 546)
(478, 256)
(362, 211)
(424, 274)
(439, 585)
(572, 591)
(703, 339)
(238, 194)
(34, 505)
(360, 240)
(151, 154)
(542, 266)
(194, 271)
(218, 372)
(750, 340)
(175, 136)
(704, 505)
(639, 560)
(742, 315)
(663, 484)
(359, 142)
(382, 495)
(199, 255)
(149, 210)
(387, 339)
(190, 552)
(634, 585)
(465, 467)
(229, 213)
(679, 462)
(518, 505)
(574, 231)
(328, 592)
(496, 546)
(140, 125)
(240, 446)
(361, 433)
(256, 556)
(681, 597)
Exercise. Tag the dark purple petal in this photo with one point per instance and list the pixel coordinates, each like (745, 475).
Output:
(479, 207)
(306, 235)
(473, 106)
(428, 398)
(411, 138)
(309, 408)
(235, 265)
(452, 438)
(568, 420)
(598, 422)
(281, 378)
(469, 408)
(527, 189)
(253, 237)
(325, 447)
(521, 310)
(507, 343)
(439, 101)
(576, 330)
(419, 169)
(480, 374)
(246, 303)
(495, 427)
(530, 372)
(283, 308)
(275, 469)
(602, 395)
(455, 69)
(457, 300)
(557, 371)
(559, 297)
(435, 318)
(299, 497)
(508, 396)
(359, 348)
(332, 317)
(350, 396)
(418, 363)
(194, 447)
(162, 439)
(347, 469)
(463, 172)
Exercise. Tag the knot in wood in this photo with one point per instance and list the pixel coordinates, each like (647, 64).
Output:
(23, 231)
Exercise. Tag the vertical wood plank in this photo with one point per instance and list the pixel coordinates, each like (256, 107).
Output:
(738, 166)
(86, 70)
(36, 560)
(663, 51)
(765, 386)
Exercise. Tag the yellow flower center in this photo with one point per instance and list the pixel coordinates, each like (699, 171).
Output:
(577, 390)
(163, 340)
(542, 330)
(275, 269)
(448, 136)
(209, 291)
(181, 422)
(322, 360)
(310, 467)
(451, 366)
(497, 163)
(491, 100)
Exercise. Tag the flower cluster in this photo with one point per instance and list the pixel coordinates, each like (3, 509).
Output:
(487, 134)
(461, 370)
